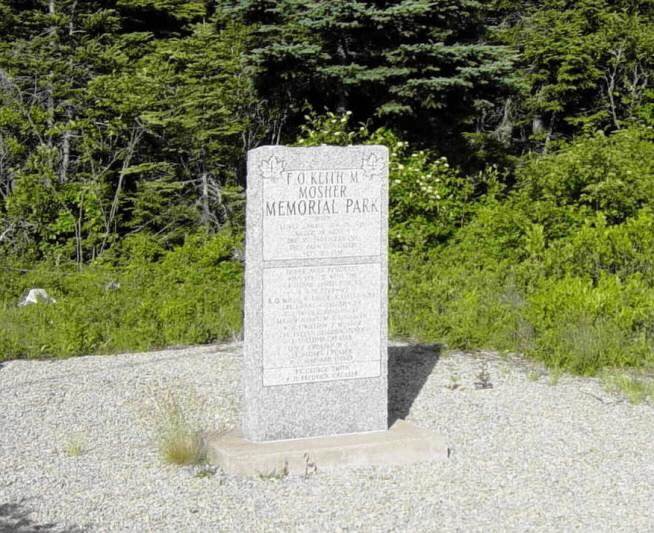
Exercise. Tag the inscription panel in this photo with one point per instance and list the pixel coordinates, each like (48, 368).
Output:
(321, 323)
(321, 213)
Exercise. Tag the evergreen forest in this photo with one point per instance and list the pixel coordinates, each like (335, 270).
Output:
(521, 136)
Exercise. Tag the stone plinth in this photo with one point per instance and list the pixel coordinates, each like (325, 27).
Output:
(403, 444)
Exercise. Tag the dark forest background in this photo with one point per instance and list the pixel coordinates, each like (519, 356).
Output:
(522, 164)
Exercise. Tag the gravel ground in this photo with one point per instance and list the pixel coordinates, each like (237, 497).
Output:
(525, 454)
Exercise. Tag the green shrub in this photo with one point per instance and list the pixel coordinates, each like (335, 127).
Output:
(596, 249)
(584, 327)
(192, 295)
(613, 175)
(551, 271)
(569, 323)
(635, 389)
(561, 268)
(463, 306)
(428, 199)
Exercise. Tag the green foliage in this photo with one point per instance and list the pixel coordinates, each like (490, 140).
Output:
(611, 175)
(584, 327)
(187, 296)
(634, 388)
(398, 61)
(179, 10)
(521, 174)
(567, 323)
(118, 117)
(75, 445)
(429, 199)
(201, 112)
(107, 129)
(571, 289)
(585, 64)
(177, 426)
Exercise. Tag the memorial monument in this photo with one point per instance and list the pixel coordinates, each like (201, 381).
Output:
(315, 331)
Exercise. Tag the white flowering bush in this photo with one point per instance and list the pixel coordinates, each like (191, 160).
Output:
(427, 196)
(330, 128)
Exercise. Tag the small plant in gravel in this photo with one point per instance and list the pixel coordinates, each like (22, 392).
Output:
(454, 383)
(636, 390)
(310, 468)
(276, 474)
(483, 378)
(533, 375)
(173, 415)
(554, 376)
(75, 445)
(182, 447)
(205, 471)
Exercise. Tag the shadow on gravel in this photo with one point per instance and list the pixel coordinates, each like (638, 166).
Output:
(14, 518)
(408, 370)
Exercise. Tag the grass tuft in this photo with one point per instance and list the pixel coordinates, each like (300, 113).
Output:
(75, 445)
(191, 295)
(276, 474)
(182, 447)
(634, 389)
(174, 418)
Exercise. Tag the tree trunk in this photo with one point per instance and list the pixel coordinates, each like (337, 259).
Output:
(50, 88)
(5, 171)
(135, 138)
(505, 129)
(550, 132)
(205, 217)
(79, 252)
(67, 135)
(611, 78)
(537, 126)
(65, 152)
(341, 105)
(71, 27)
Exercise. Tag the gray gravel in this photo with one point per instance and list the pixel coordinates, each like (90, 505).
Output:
(525, 454)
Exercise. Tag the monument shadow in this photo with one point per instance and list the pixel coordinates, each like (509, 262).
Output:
(15, 518)
(409, 368)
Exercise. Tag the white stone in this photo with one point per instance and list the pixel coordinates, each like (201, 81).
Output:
(35, 296)
(112, 286)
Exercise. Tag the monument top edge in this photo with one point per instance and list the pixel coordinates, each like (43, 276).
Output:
(267, 147)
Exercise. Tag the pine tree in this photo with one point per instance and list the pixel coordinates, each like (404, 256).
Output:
(586, 64)
(202, 113)
(421, 65)
(51, 51)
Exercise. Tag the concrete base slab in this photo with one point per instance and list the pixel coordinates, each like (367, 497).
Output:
(403, 444)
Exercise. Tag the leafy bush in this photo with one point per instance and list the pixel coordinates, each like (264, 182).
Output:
(612, 175)
(428, 199)
(562, 269)
(584, 327)
(191, 295)
(568, 323)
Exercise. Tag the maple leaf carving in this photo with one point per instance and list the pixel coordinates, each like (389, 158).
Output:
(272, 168)
(373, 166)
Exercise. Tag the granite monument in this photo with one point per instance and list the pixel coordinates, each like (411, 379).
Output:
(315, 365)
(315, 292)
